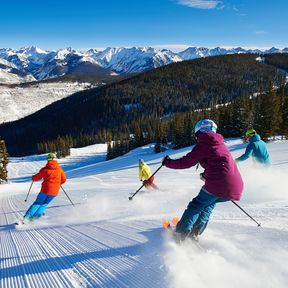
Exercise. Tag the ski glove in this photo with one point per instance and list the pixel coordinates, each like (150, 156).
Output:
(202, 176)
(165, 160)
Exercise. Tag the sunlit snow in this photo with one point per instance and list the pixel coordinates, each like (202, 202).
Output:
(105, 240)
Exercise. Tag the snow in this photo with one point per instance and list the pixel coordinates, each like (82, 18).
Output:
(18, 102)
(260, 59)
(7, 63)
(128, 107)
(105, 240)
(6, 77)
(9, 74)
(124, 60)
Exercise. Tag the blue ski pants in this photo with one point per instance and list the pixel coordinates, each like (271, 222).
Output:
(196, 216)
(38, 207)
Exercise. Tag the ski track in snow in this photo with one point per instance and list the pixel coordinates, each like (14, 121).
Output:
(107, 241)
(86, 255)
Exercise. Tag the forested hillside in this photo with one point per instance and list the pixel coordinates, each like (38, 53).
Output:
(137, 104)
(278, 60)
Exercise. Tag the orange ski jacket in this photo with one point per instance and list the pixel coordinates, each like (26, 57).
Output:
(53, 176)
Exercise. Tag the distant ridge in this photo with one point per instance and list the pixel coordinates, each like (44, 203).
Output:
(47, 64)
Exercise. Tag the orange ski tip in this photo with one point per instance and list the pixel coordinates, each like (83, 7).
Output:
(166, 224)
(175, 220)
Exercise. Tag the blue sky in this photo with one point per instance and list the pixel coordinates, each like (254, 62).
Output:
(172, 24)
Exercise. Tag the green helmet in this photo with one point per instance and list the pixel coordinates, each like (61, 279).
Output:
(51, 156)
(250, 132)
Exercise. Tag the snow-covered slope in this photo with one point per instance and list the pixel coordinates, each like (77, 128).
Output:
(50, 64)
(20, 101)
(10, 74)
(107, 241)
(129, 60)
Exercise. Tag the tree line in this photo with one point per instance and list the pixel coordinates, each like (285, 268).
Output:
(267, 112)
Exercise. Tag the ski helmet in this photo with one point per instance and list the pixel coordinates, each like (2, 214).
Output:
(51, 156)
(250, 132)
(141, 162)
(205, 125)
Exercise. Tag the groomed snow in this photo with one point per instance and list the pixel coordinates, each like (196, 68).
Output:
(105, 240)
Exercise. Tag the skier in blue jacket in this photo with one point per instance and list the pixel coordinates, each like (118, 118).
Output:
(256, 148)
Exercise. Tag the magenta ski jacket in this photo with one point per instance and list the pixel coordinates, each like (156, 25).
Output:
(222, 177)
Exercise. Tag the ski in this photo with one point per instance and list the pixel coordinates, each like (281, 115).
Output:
(170, 227)
(19, 223)
(166, 225)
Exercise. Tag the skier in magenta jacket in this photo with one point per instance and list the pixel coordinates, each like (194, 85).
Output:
(223, 181)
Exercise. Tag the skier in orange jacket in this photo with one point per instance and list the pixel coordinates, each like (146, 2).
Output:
(54, 177)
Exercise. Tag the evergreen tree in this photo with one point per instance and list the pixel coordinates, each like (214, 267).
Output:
(138, 135)
(109, 151)
(270, 116)
(241, 117)
(178, 131)
(214, 113)
(62, 147)
(225, 123)
(188, 130)
(3, 162)
(284, 123)
(257, 108)
(159, 137)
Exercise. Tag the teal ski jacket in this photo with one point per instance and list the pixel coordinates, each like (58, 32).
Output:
(257, 149)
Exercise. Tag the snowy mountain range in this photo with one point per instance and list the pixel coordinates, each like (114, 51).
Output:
(28, 64)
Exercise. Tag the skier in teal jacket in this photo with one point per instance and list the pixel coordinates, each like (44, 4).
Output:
(256, 148)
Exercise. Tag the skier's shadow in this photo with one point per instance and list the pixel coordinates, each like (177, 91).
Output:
(7, 227)
(48, 208)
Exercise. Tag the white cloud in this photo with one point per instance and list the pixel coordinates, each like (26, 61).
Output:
(200, 4)
(260, 32)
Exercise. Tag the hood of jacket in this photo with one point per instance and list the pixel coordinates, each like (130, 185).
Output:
(52, 165)
(255, 138)
(210, 138)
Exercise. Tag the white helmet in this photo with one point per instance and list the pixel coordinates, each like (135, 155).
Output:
(205, 125)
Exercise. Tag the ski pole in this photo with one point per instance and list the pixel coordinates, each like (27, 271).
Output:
(67, 195)
(131, 197)
(258, 224)
(29, 191)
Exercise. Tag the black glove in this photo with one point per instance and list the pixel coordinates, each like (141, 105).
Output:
(164, 161)
(202, 176)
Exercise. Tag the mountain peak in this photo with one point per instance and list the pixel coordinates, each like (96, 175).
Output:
(46, 64)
